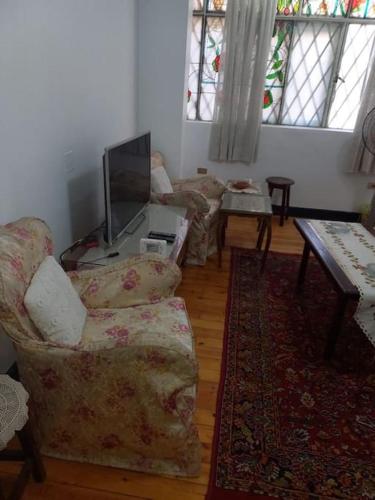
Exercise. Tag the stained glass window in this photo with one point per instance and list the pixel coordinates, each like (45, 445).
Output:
(217, 5)
(288, 7)
(363, 8)
(325, 7)
(205, 57)
(275, 74)
(320, 54)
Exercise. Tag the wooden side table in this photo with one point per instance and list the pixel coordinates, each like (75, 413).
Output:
(284, 184)
(14, 420)
(246, 205)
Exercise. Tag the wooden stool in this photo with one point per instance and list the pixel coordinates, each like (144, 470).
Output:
(284, 184)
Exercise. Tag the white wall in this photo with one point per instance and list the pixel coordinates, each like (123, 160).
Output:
(162, 60)
(67, 83)
(316, 159)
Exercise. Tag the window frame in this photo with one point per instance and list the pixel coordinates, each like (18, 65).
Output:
(204, 14)
(345, 21)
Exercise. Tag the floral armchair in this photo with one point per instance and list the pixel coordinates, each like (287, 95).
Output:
(202, 195)
(125, 395)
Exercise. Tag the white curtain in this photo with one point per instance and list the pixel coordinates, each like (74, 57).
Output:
(239, 97)
(362, 161)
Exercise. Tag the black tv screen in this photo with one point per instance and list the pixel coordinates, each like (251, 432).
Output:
(127, 183)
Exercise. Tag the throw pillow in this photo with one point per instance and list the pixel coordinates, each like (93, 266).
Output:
(54, 305)
(160, 182)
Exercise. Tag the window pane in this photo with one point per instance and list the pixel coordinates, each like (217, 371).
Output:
(275, 75)
(355, 62)
(325, 7)
(217, 5)
(288, 7)
(310, 68)
(363, 8)
(195, 48)
(197, 4)
(211, 65)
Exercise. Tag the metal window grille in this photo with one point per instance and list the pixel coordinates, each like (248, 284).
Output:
(320, 55)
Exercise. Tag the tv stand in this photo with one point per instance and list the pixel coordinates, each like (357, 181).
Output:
(159, 218)
(134, 225)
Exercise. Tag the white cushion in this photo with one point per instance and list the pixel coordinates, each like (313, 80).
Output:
(54, 305)
(160, 182)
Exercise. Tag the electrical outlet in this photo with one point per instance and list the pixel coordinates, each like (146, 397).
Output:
(68, 161)
(201, 170)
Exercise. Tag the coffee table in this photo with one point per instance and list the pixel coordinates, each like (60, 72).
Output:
(159, 218)
(344, 287)
(246, 205)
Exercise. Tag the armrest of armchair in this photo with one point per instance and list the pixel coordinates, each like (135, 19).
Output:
(135, 281)
(192, 200)
(207, 185)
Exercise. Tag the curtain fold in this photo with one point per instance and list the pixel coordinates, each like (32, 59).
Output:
(239, 97)
(362, 161)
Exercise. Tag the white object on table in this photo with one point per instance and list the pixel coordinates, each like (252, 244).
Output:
(353, 248)
(13, 408)
(148, 245)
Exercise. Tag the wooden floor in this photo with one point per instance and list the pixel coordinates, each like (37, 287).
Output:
(205, 291)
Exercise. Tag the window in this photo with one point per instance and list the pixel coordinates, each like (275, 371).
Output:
(320, 53)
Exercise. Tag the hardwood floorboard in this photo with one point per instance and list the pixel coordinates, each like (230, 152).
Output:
(205, 292)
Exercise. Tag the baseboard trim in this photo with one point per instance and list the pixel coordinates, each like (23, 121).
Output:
(315, 213)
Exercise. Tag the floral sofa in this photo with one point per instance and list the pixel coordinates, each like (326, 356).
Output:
(202, 196)
(125, 395)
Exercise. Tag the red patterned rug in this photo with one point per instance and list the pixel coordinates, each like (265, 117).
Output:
(289, 424)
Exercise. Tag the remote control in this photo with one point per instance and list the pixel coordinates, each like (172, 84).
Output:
(169, 237)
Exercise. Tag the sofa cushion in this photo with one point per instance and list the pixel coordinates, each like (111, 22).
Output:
(157, 159)
(54, 305)
(160, 182)
(165, 320)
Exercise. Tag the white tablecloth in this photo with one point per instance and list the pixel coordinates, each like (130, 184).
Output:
(13, 408)
(353, 251)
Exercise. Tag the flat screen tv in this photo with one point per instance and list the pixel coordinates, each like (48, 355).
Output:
(127, 183)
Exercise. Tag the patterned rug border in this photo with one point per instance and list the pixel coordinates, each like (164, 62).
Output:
(213, 492)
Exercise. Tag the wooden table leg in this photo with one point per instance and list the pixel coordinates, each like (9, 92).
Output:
(283, 208)
(21, 481)
(220, 236)
(2, 496)
(268, 225)
(224, 231)
(336, 327)
(287, 202)
(32, 453)
(262, 230)
(303, 265)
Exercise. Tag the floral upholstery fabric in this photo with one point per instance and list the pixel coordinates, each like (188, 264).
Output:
(201, 195)
(192, 200)
(23, 246)
(125, 395)
(208, 185)
(139, 280)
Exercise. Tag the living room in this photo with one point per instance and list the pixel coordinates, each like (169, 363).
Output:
(81, 75)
